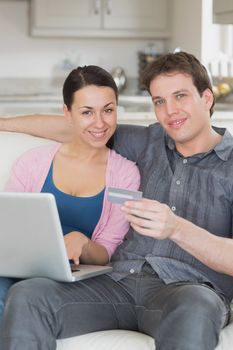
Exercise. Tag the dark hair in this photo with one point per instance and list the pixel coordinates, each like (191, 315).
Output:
(84, 76)
(182, 62)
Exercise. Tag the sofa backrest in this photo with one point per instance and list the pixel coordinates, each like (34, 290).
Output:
(12, 145)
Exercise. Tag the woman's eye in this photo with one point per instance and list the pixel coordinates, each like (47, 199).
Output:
(158, 102)
(108, 110)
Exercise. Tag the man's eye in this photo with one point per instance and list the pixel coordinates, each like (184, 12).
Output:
(179, 96)
(87, 113)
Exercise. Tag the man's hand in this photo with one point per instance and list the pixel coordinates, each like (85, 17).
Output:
(75, 243)
(151, 218)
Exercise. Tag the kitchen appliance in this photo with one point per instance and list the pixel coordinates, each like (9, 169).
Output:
(143, 60)
(119, 77)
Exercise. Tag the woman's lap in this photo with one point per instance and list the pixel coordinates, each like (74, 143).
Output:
(5, 284)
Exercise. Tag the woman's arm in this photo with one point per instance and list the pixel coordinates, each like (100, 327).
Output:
(53, 127)
(110, 232)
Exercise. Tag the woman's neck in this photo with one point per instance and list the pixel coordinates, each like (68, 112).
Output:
(80, 152)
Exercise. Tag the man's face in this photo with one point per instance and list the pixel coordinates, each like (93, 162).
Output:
(179, 108)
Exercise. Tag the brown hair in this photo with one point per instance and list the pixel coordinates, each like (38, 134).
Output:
(182, 62)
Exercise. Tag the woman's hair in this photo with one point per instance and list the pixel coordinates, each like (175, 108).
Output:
(84, 76)
(181, 62)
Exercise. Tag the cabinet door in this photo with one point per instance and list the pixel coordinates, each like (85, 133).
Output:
(100, 18)
(223, 11)
(61, 17)
(137, 15)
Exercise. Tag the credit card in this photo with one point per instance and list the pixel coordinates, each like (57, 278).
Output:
(121, 195)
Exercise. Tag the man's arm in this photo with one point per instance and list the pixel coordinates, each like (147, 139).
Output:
(151, 218)
(53, 127)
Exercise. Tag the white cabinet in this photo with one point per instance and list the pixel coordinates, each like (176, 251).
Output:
(100, 18)
(223, 11)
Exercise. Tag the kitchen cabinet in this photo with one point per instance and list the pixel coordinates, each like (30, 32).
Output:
(223, 11)
(100, 18)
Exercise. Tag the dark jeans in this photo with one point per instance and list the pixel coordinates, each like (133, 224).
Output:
(180, 316)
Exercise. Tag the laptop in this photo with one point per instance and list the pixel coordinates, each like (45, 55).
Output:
(32, 242)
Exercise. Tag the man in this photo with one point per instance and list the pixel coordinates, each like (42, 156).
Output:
(172, 276)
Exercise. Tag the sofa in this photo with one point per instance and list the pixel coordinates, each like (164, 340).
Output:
(11, 146)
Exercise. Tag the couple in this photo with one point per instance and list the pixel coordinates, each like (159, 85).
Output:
(173, 274)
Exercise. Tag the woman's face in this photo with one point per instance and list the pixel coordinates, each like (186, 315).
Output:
(93, 115)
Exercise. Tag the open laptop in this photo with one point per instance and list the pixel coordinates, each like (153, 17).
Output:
(31, 240)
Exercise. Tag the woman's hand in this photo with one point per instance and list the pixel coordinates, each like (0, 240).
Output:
(75, 242)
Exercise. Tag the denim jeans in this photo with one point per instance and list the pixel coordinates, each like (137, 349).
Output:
(5, 284)
(180, 316)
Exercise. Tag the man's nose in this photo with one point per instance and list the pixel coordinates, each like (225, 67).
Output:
(172, 107)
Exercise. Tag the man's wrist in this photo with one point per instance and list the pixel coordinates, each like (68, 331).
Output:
(176, 235)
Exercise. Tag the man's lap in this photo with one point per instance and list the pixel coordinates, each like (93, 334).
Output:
(137, 302)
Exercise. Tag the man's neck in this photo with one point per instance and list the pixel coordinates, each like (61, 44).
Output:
(188, 149)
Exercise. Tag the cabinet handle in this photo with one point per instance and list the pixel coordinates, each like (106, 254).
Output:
(97, 7)
(108, 7)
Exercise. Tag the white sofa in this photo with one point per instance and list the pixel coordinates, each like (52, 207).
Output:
(11, 146)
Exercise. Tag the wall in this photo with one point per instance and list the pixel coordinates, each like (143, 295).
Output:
(24, 56)
(193, 31)
(186, 26)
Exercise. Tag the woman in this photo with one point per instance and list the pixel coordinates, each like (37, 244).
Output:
(78, 172)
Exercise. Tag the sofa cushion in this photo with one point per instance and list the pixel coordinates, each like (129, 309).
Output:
(128, 340)
(105, 340)
(12, 145)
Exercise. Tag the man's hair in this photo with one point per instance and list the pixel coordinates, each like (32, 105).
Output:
(179, 62)
(85, 76)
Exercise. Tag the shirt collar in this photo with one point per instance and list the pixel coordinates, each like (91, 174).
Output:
(223, 149)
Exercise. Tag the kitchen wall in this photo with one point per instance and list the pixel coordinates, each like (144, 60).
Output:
(193, 30)
(25, 56)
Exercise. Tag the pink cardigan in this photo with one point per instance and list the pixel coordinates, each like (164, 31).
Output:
(29, 172)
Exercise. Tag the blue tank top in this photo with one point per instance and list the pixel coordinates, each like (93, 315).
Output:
(76, 213)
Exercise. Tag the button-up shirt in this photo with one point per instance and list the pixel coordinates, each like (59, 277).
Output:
(198, 188)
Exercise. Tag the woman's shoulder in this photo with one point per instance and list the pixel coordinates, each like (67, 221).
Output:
(40, 151)
(123, 172)
(121, 165)
(118, 159)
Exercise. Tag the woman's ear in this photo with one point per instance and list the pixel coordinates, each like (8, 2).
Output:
(67, 113)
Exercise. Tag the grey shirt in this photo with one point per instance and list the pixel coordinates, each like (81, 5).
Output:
(197, 188)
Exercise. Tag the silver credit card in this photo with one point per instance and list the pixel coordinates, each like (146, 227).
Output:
(121, 195)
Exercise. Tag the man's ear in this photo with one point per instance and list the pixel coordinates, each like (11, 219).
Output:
(67, 113)
(208, 98)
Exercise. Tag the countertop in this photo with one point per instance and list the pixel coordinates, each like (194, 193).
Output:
(33, 95)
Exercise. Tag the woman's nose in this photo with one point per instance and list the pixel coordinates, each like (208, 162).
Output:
(99, 122)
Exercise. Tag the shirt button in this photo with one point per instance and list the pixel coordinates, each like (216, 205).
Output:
(173, 208)
(185, 161)
(131, 271)
(178, 182)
